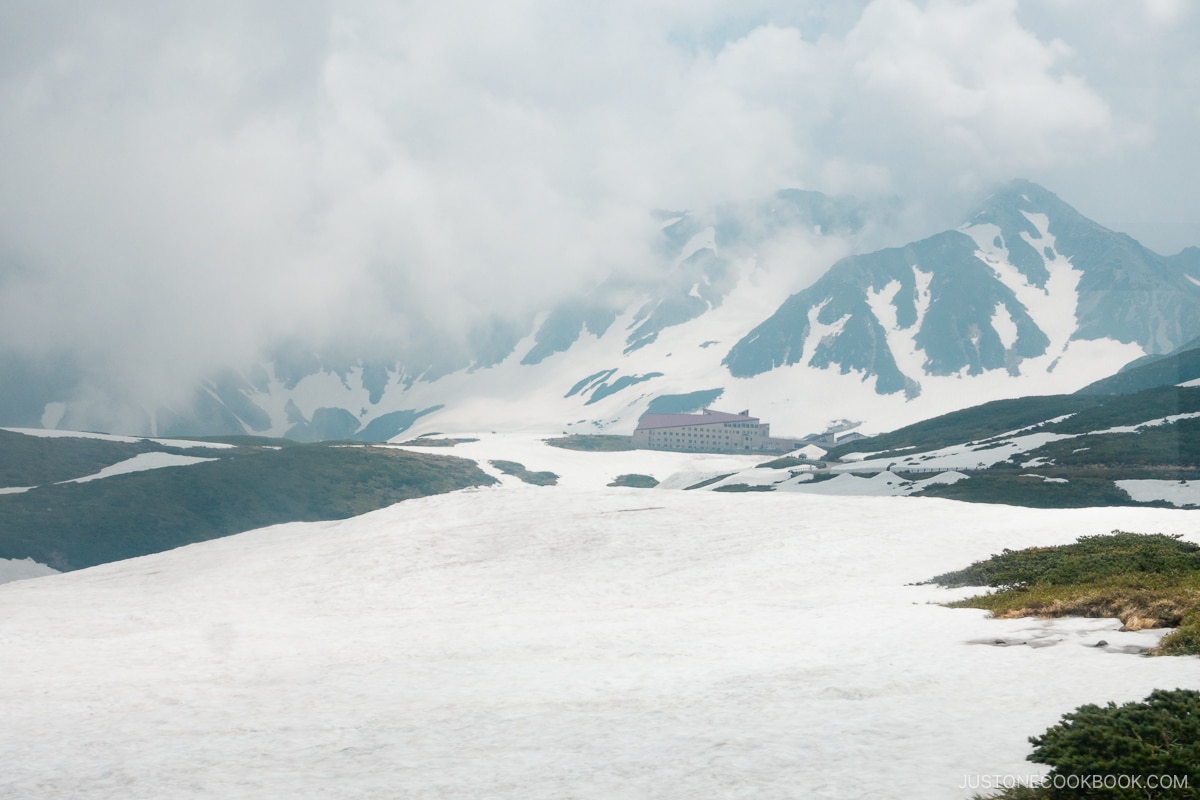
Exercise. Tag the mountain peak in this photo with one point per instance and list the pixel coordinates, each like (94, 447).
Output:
(1012, 201)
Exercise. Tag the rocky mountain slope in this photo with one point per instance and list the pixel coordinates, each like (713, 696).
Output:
(1026, 297)
(1014, 289)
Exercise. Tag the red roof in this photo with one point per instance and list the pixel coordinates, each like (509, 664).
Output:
(706, 417)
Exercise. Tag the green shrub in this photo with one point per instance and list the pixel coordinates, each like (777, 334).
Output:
(593, 442)
(518, 470)
(1146, 581)
(1122, 752)
(1089, 558)
(428, 441)
(635, 481)
(1082, 489)
(1160, 736)
(784, 463)
(744, 487)
(1185, 639)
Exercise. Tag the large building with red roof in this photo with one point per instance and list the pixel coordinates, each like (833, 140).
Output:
(708, 432)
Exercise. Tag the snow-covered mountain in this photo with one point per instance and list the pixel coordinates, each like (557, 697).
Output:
(1018, 287)
(1027, 297)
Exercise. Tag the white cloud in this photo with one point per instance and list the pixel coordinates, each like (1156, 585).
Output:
(179, 187)
(965, 90)
(1164, 11)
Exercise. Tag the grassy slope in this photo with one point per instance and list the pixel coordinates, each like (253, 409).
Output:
(1091, 463)
(1086, 489)
(1172, 446)
(36, 460)
(1088, 463)
(1118, 410)
(1089, 413)
(1147, 581)
(1154, 371)
(71, 526)
(594, 442)
(970, 424)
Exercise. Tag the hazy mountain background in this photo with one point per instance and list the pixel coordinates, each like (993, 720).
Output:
(236, 198)
(1026, 296)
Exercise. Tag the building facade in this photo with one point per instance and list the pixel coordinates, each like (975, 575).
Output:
(708, 432)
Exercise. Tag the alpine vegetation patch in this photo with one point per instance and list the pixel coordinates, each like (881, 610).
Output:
(1147, 749)
(1145, 580)
(518, 470)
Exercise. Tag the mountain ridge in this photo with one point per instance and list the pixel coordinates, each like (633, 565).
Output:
(1027, 296)
(982, 297)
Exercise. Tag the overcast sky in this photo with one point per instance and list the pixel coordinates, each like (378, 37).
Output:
(182, 183)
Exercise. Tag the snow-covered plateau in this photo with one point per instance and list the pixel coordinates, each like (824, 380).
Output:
(561, 641)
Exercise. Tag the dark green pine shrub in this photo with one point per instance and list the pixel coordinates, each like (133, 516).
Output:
(1148, 740)
(1137, 751)
(635, 481)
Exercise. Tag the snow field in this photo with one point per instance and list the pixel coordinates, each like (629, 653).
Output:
(583, 469)
(1178, 493)
(108, 437)
(539, 642)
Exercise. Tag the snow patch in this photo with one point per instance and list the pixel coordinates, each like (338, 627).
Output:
(140, 463)
(1042, 223)
(1044, 478)
(108, 437)
(1177, 493)
(12, 569)
(1154, 423)
(1053, 307)
(819, 331)
(1004, 325)
(968, 456)
(752, 477)
(704, 240)
(986, 235)
(902, 342)
(883, 484)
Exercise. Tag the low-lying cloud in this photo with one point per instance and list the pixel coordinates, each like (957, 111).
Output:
(181, 189)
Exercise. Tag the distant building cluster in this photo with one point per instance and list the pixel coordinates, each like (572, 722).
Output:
(832, 438)
(709, 432)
